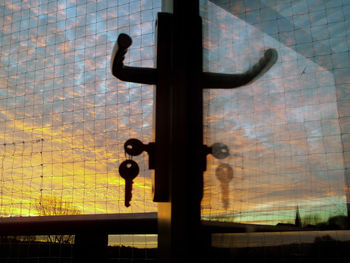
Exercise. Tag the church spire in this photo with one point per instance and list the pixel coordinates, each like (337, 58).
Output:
(297, 218)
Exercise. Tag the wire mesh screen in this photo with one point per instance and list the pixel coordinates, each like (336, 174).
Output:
(288, 131)
(64, 117)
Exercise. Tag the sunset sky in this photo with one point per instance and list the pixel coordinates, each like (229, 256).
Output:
(64, 118)
(283, 130)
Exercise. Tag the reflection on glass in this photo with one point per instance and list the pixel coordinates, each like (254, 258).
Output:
(317, 246)
(224, 173)
(132, 247)
(136, 241)
(287, 132)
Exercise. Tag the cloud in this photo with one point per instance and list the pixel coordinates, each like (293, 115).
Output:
(63, 136)
(277, 129)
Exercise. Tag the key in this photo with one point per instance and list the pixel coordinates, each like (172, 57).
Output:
(224, 173)
(220, 150)
(128, 170)
(134, 147)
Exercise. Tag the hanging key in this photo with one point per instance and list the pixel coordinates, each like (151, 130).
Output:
(128, 170)
(224, 173)
(220, 150)
(135, 147)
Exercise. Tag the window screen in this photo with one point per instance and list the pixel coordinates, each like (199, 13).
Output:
(63, 117)
(288, 131)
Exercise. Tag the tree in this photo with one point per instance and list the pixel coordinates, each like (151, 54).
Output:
(311, 220)
(53, 206)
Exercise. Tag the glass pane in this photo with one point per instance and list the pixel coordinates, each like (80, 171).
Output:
(288, 131)
(64, 117)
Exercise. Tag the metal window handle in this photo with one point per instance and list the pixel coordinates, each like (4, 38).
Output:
(160, 157)
(211, 80)
(125, 73)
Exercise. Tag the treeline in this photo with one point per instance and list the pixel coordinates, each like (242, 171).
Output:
(333, 223)
(26, 249)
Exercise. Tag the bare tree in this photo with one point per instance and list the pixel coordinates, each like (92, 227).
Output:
(53, 206)
(311, 219)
